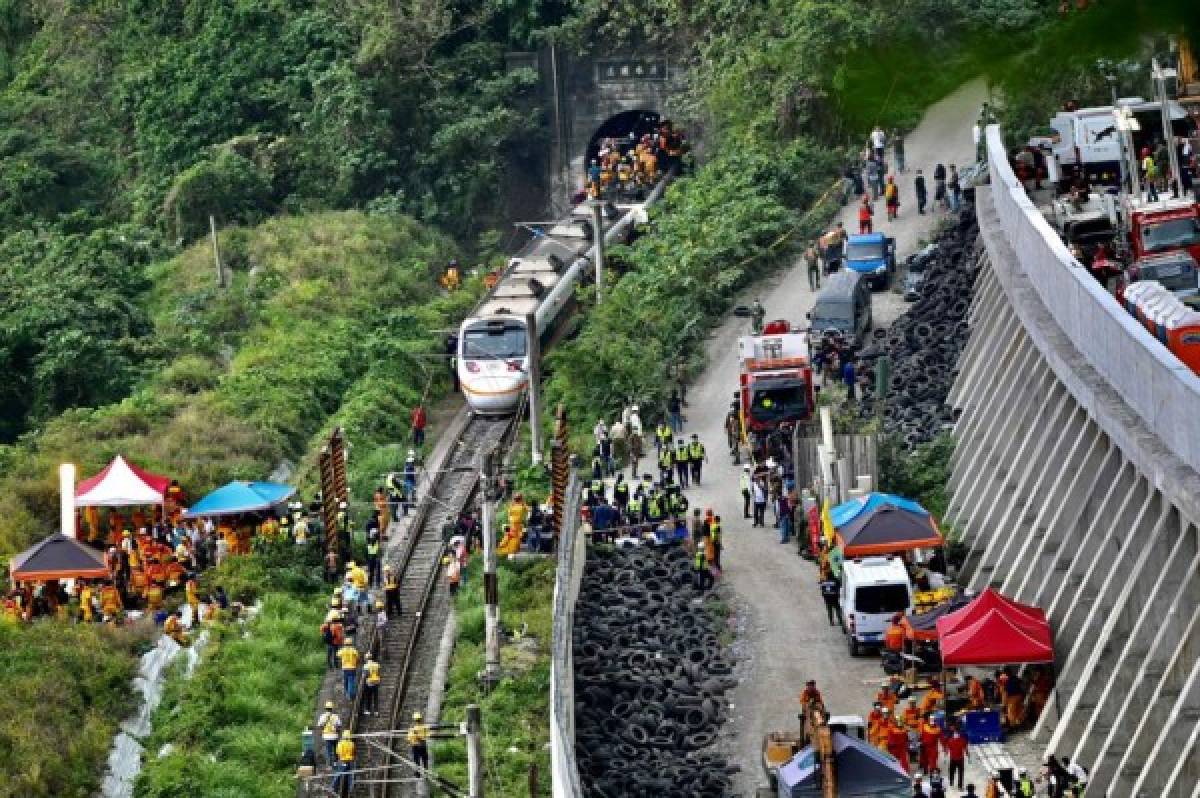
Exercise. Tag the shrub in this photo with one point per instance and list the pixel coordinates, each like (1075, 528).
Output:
(66, 688)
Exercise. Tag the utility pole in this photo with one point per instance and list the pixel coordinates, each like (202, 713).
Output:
(212, 229)
(598, 237)
(1160, 88)
(491, 587)
(474, 752)
(534, 348)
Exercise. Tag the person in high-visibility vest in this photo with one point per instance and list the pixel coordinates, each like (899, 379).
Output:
(701, 574)
(348, 656)
(391, 591)
(696, 457)
(371, 680)
(331, 728)
(418, 735)
(666, 461)
(344, 778)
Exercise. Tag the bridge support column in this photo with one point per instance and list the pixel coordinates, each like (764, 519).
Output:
(1125, 578)
(1162, 736)
(1150, 638)
(984, 435)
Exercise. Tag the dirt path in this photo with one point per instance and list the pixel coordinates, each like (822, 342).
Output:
(784, 637)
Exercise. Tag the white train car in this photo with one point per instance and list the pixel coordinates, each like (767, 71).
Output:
(492, 356)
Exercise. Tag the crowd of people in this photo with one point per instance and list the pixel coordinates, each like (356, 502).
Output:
(652, 507)
(623, 167)
(149, 552)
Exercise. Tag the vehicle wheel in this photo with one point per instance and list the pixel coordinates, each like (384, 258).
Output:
(852, 644)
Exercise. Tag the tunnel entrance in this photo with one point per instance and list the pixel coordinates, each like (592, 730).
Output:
(619, 126)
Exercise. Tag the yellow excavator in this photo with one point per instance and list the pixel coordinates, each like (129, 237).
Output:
(816, 729)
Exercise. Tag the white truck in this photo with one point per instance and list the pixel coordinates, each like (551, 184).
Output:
(873, 590)
(1086, 140)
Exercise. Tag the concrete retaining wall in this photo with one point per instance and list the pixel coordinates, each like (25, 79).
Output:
(572, 555)
(1075, 486)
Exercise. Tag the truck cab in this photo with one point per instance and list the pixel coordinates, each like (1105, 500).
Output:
(1160, 227)
(872, 255)
(873, 590)
(775, 383)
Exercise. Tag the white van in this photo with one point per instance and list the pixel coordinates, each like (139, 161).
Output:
(873, 590)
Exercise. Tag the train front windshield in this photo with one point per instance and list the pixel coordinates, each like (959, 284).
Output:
(494, 341)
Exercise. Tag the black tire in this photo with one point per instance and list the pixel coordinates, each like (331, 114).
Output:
(853, 646)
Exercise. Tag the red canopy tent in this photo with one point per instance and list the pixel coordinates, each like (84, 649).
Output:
(121, 484)
(57, 557)
(1030, 619)
(994, 640)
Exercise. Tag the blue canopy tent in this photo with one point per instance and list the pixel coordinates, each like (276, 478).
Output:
(241, 497)
(847, 511)
(880, 523)
(863, 771)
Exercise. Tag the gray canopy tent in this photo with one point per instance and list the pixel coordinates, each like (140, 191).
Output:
(863, 771)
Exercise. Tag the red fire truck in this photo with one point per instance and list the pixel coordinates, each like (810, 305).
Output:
(775, 382)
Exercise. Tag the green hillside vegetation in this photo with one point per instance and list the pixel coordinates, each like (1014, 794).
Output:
(516, 718)
(234, 725)
(66, 690)
(318, 325)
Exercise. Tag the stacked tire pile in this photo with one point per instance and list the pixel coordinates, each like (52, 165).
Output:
(925, 342)
(649, 676)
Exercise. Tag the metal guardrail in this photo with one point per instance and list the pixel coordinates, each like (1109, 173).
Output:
(1152, 381)
(572, 554)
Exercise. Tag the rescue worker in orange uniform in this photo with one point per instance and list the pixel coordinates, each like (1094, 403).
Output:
(887, 699)
(874, 720)
(893, 638)
(811, 695)
(931, 738)
(897, 744)
(931, 699)
(879, 738)
(975, 694)
(912, 715)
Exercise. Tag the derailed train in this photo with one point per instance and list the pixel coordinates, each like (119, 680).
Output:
(492, 351)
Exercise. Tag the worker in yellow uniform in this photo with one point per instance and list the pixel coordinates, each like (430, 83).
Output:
(348, 656)
(173, 628)
(371, 680)
(192, 591)
(418, 736)
(110, 600)
(518, 511)
(86, 593)
(331, 728)
(344, 778)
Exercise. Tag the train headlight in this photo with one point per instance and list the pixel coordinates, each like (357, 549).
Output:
(514, 365)
(472, 366)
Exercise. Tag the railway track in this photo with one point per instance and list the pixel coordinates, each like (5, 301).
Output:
(409, 649)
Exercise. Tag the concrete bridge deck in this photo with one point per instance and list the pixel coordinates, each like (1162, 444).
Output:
(1076, 487)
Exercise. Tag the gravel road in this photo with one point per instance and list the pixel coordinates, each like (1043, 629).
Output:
(783, 637)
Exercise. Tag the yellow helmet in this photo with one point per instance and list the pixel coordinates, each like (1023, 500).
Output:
(416, 716)
(346, 734)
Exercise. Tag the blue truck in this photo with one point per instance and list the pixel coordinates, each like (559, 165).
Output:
(873, 255)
